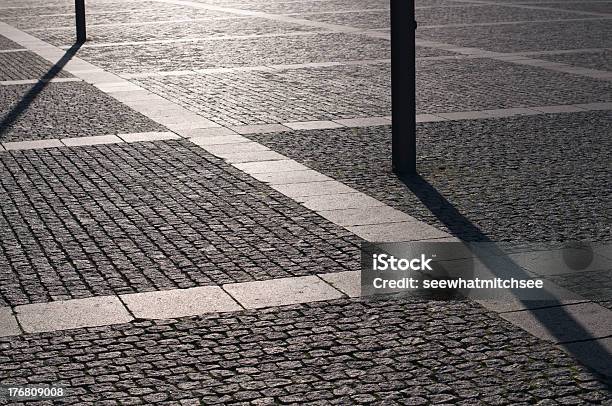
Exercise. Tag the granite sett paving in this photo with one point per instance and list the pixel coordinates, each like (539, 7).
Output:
(354, 351)
(124, 218)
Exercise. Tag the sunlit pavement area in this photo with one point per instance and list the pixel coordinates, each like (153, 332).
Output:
(183, 198)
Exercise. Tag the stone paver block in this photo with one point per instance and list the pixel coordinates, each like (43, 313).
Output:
(397, 232)
(339, 201)
(205, 141)
(558, 109)
(290, 177)
(510, 112)
(149, 136)
(363, 122)
(362, 216)
(8, 323)
(595, 106)
(101, 77)
(575, 322)
(133, 96)
(255, 156)
(280, 292)
(179, 302)
(270, 166)
(428, 118)
(313, 125)
(69, 314)
(119, 86)
(205, 132)
(330, 187)
(35, 144)
(260, 128)
(464, 115)
(347, 282)
(176, 123)
(94, 140)
(236, 148)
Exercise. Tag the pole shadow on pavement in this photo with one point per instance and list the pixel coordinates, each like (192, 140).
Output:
(459, 225)
(22, 106)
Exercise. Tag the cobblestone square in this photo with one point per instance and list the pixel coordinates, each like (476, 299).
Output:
(189, 200)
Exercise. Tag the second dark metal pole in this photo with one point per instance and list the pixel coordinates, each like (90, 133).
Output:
(403, 87)
(79, 10)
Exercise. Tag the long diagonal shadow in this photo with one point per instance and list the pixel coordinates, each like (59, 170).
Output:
(460, 225)
(22, 106)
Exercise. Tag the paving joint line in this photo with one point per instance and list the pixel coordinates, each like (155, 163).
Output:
(413, 229)
(532, 6)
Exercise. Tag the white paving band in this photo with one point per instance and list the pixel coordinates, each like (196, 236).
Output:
(218, 131)
(554, 66)
(359, 213)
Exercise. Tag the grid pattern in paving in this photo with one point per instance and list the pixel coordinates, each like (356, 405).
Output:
(150, 216)
(541, 36)
(601, 60)
(591, 6)
(337, 92)
(443, 15)
(514, 179)
(341, 352)
(115, 17)
(25, 65)
(237, 52)
(57, 110)
(173, 31)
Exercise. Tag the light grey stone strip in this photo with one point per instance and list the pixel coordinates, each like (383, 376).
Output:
(10, 51)
(91, 140)
(128, 24)
(283, 291)
(108, 310)
(179, 302)
(35, 81)
(515, 22)
(532, 7)
(270, 16)
(499, 56)
(200, 39)
(559, 67)
(206, 133)
(519, 59)
(70, 314)
(268, 68)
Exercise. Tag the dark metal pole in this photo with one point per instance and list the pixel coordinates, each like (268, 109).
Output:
(403, 87)
(79, 11)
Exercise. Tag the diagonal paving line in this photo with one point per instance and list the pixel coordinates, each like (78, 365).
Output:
(532, 7)
(558, 67)
(337, 202)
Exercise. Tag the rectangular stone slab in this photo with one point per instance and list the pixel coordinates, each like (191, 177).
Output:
(69, 314)
(281, 292)
(173, 303)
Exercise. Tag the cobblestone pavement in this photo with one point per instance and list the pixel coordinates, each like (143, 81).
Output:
(340, 352)
(156, 214)
(150, 216)
(515, 191)
(90, 112)
(329, 93)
